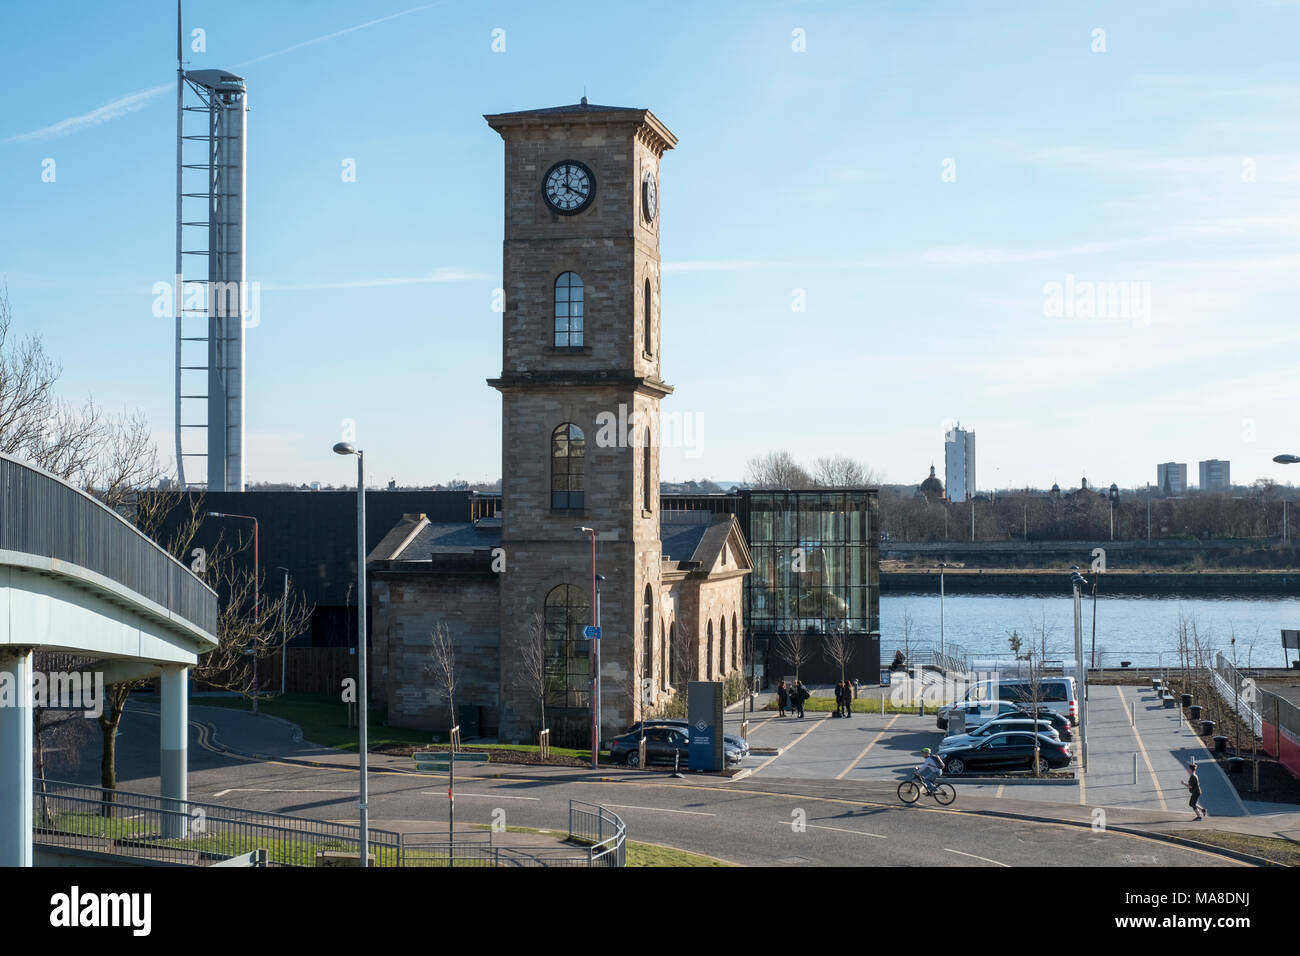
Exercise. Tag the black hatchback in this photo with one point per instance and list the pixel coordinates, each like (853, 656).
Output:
(1010, 751)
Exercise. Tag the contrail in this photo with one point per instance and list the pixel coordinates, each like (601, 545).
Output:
(139, 99)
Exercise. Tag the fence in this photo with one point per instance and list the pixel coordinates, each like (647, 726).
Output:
(146, 827)
(310, 670)
(953, 659)
(1274, 719)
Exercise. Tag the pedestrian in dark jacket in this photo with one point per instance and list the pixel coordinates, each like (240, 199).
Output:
(1193, 784)
(839, 698)
(848, 698)
(782, 697)
(800, 695)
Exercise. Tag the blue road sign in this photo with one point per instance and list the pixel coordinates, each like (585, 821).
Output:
(591, 632)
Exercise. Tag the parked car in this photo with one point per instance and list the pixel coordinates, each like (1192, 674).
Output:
(662, 746)
(1013, 751)
(1002, 725)
(977, 711)
(734, 740)
(1054, 693)
(1061, 724)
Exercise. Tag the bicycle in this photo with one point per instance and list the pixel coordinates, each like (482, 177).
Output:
(909, 791)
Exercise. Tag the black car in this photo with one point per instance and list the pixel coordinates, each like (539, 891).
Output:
(1011, 751)
(662, 746)
(730, 740)
(1060, 723)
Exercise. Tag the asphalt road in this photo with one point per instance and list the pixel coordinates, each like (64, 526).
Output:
(763, 821)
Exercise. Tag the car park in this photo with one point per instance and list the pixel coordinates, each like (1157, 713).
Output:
(1006, 751)
(1002, 725)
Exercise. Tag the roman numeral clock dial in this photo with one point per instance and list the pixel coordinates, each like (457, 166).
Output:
(569, 187)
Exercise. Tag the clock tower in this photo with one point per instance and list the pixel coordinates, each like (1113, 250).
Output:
(580, 388)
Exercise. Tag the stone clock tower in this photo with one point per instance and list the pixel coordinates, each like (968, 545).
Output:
(580, 389)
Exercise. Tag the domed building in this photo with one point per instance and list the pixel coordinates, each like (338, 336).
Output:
(932, 488)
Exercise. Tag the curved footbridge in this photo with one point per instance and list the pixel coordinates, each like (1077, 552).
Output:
(76, 578)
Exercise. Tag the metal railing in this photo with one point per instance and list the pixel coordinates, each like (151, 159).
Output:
(1273, 718)
(43, 516)
(146, 827)
(954, 659)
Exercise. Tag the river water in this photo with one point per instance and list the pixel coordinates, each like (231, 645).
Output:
(1137, 629)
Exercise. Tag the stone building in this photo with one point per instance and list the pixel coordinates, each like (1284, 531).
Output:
(580, 388)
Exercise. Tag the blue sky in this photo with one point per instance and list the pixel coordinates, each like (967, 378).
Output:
(1170, 161)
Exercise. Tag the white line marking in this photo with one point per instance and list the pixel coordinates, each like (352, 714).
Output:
(464, 793)
(694, 813)
(817, 826)
(865, 750)
(974, 857)
(790, 746)
(222, 793)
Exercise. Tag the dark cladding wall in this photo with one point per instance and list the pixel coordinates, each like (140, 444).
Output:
(314, 535)
(816, 557)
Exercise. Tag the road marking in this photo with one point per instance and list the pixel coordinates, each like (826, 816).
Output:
(874, 741)
(974, 857)
(465, 793)
(694, 813)
(817, 826)
(1119, 689)
(790, 746)
(998, 795)
(222, 793)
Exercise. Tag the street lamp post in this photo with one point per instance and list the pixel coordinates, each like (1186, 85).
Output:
(256, 592)
(284, 630)
(594, 652)
(941, 645)
(1077, 581)
(345, 448)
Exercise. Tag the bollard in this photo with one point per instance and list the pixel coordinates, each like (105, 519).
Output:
(1194, 711)
(1236, 764)
(1207, 728)
(1220, 744)
(1187, 700)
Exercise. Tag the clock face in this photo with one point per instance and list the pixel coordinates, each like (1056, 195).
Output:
(649, 196)
(569, 187)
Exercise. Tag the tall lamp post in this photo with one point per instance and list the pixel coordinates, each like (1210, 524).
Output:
(594, 652)
(256, 593)
(1078, 581)
(941, 646)
(284, 629)
(346, 448)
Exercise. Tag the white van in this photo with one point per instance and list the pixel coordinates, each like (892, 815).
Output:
(1054, 693)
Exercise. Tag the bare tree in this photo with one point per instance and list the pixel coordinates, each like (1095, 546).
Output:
(529, 673)
(838, 649)
(841, 471)
(442, 667)
(777, 469)
(792, 647)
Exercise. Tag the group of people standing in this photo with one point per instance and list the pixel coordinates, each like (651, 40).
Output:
(791, 697)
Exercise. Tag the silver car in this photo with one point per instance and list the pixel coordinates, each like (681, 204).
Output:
(999, 725)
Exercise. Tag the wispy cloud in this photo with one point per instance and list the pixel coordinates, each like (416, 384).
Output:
(141, 98)
(110, 110)
(439, 275)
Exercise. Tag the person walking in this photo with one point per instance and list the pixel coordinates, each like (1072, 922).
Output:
(1193, 784)
(839, 698)
(782, 698)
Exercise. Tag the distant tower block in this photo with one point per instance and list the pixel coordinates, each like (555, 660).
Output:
(210, 202)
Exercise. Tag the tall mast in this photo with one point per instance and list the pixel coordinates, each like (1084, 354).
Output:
(176, 278)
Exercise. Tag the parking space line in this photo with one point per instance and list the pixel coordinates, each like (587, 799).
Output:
(974, 857)
(874, 741)
(1119, 689)
(791, 744)
(465, 793)
(1001, 787)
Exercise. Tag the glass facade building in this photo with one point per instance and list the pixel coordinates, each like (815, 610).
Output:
(816, 556)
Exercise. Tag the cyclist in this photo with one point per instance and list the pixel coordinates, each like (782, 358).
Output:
(930, 768)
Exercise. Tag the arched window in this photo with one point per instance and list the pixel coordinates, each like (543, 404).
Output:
(648, 637)
(722, 644)
(649, 323)
(674, 654)
(663, 656)
(568, 662)
(736, 650)
(568, 455)
(709, 662)
(568, 310)
(646, 474)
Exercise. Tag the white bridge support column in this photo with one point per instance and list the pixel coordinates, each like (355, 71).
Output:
(15, 757)
(174, 754)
